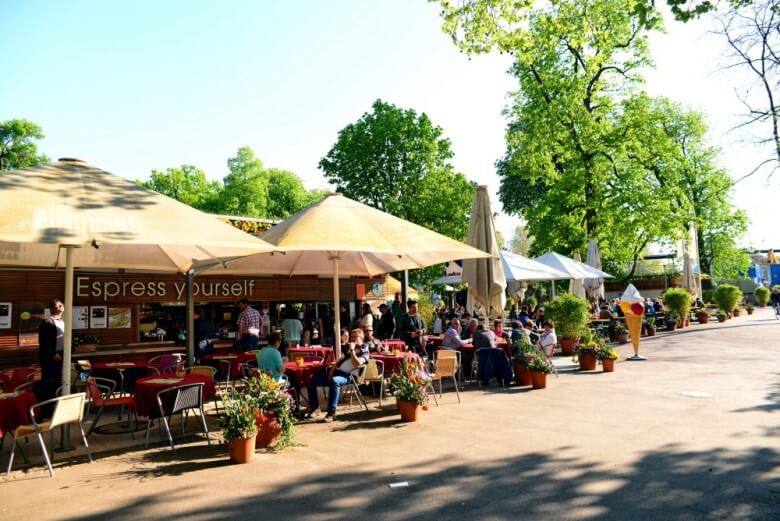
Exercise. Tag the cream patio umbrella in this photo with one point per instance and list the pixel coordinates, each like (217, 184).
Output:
(594, 287)
(101, 220)
(484, 277)
(688, 278)
(576, 286)
(341, 237)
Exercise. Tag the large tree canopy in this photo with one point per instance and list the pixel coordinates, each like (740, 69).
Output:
(187, 184)
(18, 148)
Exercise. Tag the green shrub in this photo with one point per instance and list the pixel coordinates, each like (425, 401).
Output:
(727, 297)
(678, 300)
(570, 314)
(762, 295)
(530, 302)
(706, 296)
(509, 303)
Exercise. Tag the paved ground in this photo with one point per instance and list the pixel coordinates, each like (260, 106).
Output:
(691, 433)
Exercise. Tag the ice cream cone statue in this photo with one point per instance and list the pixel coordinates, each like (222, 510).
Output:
(633, 307)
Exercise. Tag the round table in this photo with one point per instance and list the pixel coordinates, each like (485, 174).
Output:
(392, 361)
(146, 389)
(326, 353)
(15, 410)
(134, 371)
(301, 375)
(394, 344)
(235, 359)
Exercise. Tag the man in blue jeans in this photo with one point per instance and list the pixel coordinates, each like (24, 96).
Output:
(355, 356)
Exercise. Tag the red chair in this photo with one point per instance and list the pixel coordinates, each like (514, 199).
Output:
(101, 396)
(18, 378)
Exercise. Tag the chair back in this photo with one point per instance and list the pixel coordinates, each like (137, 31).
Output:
(68, 409)
(372, 372)
(85, 365)
(359, 374)
(19, 377)
(94, 392)
(205, 370)
(165, 364)
(446, 353)
(447, 366)
(186, 397)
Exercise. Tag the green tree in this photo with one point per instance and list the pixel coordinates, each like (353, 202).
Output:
(18, 148)
(246, 186)
(189, 185)
(520, 243)
(287, 195)
(399, 162)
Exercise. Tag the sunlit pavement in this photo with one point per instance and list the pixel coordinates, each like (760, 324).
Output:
(691, 433)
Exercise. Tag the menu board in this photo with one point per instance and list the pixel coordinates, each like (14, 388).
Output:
(119, 317)
(98, 317)
(80, 317)
(5, 315)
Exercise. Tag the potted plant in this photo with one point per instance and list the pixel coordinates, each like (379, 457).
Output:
(570, 315)
(239, 428)
(671, 320)
(736, 312)
(520, 364)
(727, 297)
(621, 334)
(702, 316)
(721, 316)
(408, 386)
(750, 309)
(607, 355)
(85, 343)
(678, 300)
(650, 326)
(588, 354)
(272, 410)
(762, 296)
(540, 367)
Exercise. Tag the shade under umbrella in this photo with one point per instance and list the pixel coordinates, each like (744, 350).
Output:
(575, 285)
(485, 276)
(594, 287)
(341, 237)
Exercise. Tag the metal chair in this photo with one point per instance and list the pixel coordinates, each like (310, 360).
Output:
(101, 392)
(446, 367)
(375, 372)
(67, 409)
(19, 377)
(356, 379)
(184, 398)
(450, 353)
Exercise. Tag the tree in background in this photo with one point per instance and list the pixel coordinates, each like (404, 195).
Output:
(187, 184)
(520, 243)
(245, 190)
(18, 148)
(398, 161)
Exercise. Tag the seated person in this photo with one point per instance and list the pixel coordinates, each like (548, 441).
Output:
(532, 334)
(498, 329)
(525, 315)
(269, 359)
(354, 357)
(548, 339)
(659, 307)
(452, 339)
(605, 313)
(519, 335)
(468, 332)
(483, 337)
(369, 340)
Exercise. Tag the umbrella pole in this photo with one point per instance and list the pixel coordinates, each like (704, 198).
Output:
(67, 318)
(336, 306)
(190, 320)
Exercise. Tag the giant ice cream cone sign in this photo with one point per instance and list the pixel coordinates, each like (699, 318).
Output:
(633, 307)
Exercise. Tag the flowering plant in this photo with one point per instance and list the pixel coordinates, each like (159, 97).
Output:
(591, 348)
(408, 384)
(268, 397)
(238, 421)
(539, 363)
(607, 353)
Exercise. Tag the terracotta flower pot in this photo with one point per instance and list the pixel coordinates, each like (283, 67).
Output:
(721, 318)
(538, 379)
(671, 325)
(749, 311)
(568, 345)
(703, 318)
(608, 365)
(409, 410)
(651, 331)
(737, 312)
(587, 361)
(522, 375)
(762, 304)
(242, 450)
(268, 430)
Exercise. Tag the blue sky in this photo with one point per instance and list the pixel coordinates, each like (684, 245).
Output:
(131, 86)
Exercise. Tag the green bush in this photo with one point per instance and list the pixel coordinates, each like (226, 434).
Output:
(762, 295)
(706, 296)
(509, 303)
(678, 300)
(727, 297)
(570, 314)
(530, 302)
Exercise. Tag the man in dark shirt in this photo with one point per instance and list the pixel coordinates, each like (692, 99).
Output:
(51, 336)
(413, 328)
(483, 338)
(386, 323)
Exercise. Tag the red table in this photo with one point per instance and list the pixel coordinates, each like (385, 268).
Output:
(119, 366)
(300, 376)
(393, 362)
(469, 349)
(394, 344)
(326, 353)
(15, 411)
(146, 389)
(235, 359)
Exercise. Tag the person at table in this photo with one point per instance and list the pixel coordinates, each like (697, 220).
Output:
(269, 359)
(498, 329)
(438, 323)
(398, 314)
(649, 309)
(249, 324)
(525, 315)
(338, 374)
(513, 312)
(366, 317)
(519, 335)
(386, 322)
(468, 332)
(51, 342)
(413, 328)
(203, 333)
(605, 313)
(292, 328)
(538, 316)
(452, 339)
(548, 338)
(483, 337)
(370, 341)
(658, 306)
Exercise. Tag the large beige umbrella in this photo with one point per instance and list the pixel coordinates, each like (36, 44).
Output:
(484, 277)
(341, 237)
(688, 278)
(71, 214)
(576, 286)
(594, 286)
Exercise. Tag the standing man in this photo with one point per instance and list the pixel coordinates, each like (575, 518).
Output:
(413, 328)
(398, 314)
(51, 340)
(386, 322)
(249, 324)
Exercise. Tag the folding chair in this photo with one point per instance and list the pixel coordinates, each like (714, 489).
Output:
(67, 409)
(450, 353)
(101, 391)
(375, 372)
(184, 398)
(446, 367)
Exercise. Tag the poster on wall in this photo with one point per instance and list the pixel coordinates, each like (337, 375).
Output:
(97, 317)
(80, 317)
(119, 318)
(5, 315)
(31, 314)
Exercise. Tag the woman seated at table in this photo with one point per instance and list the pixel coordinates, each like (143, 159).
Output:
(498, 329)
(548, 338)
(269, 359)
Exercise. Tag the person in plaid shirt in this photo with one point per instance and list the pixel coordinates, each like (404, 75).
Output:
(249, 325)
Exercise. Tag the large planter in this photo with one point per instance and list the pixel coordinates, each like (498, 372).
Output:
(242, 450)
(703, 318)
(608, 365)
(762, 304)
(671, 325)
(522, 375)
(568, 345)
(409, 410)
(650, 331)
(268, 430)
(538, 379)
(587, 362)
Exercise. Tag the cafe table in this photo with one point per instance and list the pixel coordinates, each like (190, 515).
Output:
(235, 359)
(393, 361)
(15, 410)
(326, 353)
(392, 345)
(128, 372)
(146, 390)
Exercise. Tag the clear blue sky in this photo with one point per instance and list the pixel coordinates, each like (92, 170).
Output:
(131, 86)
